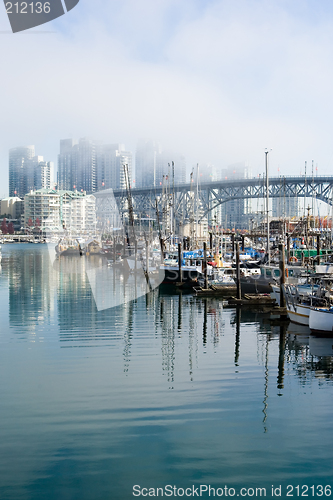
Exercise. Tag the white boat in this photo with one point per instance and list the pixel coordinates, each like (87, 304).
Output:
(321, 320)
(299, 300)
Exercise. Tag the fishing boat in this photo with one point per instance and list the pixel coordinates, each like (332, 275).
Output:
(300, 299)
(190, 273)
(321, 320)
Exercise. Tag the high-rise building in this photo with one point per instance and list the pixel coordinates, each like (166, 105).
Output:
(85, 166)
(285, 206)
(28, 172)
(235, 213)
(18, 158)
(111, 159)
(173, 165)
(146, 163)
(44, 175)
(91, 166)
(152, 163)
(66, 167)
(76, 165)
(38, 174)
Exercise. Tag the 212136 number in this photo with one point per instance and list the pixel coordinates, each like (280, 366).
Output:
(25, 8)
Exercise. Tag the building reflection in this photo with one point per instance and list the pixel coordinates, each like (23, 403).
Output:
(31, 285)
(41, 291)
(76, 309)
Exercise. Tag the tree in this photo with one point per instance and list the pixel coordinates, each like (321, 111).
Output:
(4, 227)
(37, 222)
(30, 223)
(11, 228)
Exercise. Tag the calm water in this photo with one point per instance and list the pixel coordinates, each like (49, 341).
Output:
(167, 390)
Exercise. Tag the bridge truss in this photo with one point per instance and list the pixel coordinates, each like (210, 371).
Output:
(187, 200)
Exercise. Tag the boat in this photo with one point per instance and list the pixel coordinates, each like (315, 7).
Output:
(190, 274)
(300, 299)
(321, 320)
(68, 246)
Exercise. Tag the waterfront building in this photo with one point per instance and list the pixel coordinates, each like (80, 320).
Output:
(53, 210)
(18, 158)
(12, 206)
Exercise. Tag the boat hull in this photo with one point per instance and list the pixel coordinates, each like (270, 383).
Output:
(321, 320)
(299, 315)
(171, 275)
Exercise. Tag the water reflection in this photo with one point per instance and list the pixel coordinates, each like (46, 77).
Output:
(30, 281)
(38, 291)
(169, 389)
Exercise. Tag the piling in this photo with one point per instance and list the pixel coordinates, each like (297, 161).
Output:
(126, 242)
(282, 275)
(205, 264)
(114, 249)
(233, 244)
(288, 247)
(180, 277)
(147, 257)
(318, 249)
(135, 256)
(243, 242)
(239, 291)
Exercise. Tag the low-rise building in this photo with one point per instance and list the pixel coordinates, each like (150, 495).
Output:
(12, 206)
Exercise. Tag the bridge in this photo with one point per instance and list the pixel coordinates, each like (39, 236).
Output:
(185, 200)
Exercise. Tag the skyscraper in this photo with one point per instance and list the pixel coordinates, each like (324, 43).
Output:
(77, 165)
(235, 213)
(152, 163)
(38, 174)
(28, 172)
(91, 166)
(285, 206)
(146, 163)
(170, 163)
(66, 170)
(111, 159)
(18, 158)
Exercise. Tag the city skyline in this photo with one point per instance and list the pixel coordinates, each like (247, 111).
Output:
(219, 81)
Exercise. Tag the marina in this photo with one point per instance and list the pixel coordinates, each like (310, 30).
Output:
(170, 388)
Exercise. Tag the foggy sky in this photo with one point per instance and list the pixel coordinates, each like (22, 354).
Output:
(219, 80)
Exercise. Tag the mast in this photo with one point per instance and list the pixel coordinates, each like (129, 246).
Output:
(313, 198)
(304, 188)
(267, 204)
(197, 206)
(173, 201)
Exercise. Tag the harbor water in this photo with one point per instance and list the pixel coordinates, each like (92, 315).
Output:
(168, 393)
